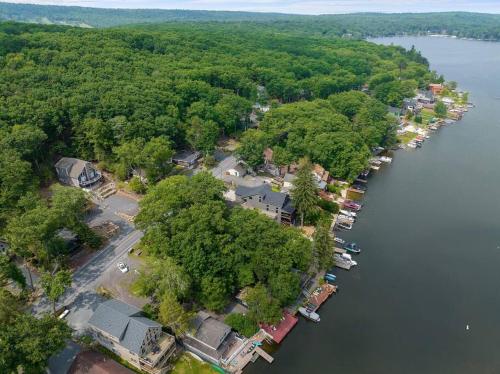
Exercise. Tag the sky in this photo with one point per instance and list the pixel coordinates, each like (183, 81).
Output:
(290, 6)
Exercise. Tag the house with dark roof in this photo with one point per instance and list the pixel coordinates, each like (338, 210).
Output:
(77, 173)
(212, 340)
(186, 158)
(276, 205)
(124, 330)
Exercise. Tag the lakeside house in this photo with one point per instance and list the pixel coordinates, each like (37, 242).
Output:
(436, 88)
(412, 106)
(212, 340)
(77, 173)
(425, 97)
(124, 330)
(276, 205)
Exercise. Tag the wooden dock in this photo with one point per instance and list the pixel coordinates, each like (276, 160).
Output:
(266, 356)
(340, 250)
(355, 190)
(320, 295)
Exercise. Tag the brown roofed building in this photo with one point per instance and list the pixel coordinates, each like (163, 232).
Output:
(92, 362)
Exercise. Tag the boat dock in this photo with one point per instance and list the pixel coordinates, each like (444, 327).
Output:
(266, 356)
(340, 250)
(320, 295)
(355, 190)
(250, 352)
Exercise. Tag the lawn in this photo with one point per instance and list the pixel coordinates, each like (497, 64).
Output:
(406, 137)
(427, 115)
(187, 364)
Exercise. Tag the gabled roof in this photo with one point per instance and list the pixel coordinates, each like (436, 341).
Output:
(124, 322)
(186, 156)
(209, 330)
(268, 195)
(75, 165)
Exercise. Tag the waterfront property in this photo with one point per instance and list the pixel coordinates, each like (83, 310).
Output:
(279, 331)
(276, 205)
(212, 340)
(77, 173)
(140, 341)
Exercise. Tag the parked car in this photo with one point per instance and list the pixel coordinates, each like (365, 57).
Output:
(64, 314)
(123, 268)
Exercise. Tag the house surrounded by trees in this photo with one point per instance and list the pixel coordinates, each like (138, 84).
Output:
(276, 205)
(124, 330)
(77, 173)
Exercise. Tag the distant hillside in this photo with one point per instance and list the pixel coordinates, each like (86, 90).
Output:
(359, 25)
(98, 17)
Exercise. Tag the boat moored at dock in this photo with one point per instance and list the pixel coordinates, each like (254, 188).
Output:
(352, 247)
(309, 314)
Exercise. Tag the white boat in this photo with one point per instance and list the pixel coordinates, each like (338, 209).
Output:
(339, 240)
(412, 145)
(343, 217)
(344, 225)
(348, 213)
(385, 159)
(309, 314)
(344, 257)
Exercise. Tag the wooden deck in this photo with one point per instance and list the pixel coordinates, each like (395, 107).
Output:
(319, 296)
(266, 356)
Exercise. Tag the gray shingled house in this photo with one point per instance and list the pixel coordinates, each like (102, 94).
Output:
(123, 329)
(276, 205)
(78, 173)
(211, 339)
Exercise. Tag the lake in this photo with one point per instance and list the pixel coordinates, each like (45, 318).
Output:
(430, 236)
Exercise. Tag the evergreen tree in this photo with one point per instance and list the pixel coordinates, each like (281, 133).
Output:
(304, 190)
(323, 246)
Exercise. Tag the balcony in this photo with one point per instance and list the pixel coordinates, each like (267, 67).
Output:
(159, 352)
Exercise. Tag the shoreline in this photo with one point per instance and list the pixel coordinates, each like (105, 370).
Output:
(348, 193)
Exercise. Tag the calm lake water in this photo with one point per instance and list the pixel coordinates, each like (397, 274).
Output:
(431, 248)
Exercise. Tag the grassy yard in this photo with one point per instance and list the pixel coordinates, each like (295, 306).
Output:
(427, 115)
(187, 364)
(406, 137)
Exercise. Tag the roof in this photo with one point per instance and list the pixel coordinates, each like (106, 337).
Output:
(123, 321)
(281, 330)
(75, 165)
(268, 195)
(186, 156)
(209, 330)
(96, 363)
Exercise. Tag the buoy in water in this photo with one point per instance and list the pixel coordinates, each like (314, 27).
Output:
(467, 327)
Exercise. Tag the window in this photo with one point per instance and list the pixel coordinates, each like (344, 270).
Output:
(267, 207)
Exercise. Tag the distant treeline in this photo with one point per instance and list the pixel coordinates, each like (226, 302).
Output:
(359, 25)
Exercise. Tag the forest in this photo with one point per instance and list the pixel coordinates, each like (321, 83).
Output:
(128, 98)
(357, 25)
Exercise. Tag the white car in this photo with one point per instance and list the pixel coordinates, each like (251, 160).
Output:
(64, 314)
(123, 268)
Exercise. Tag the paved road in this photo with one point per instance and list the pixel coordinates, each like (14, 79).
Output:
(82, 296)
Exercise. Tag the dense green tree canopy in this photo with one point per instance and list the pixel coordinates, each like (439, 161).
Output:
(222, 249)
